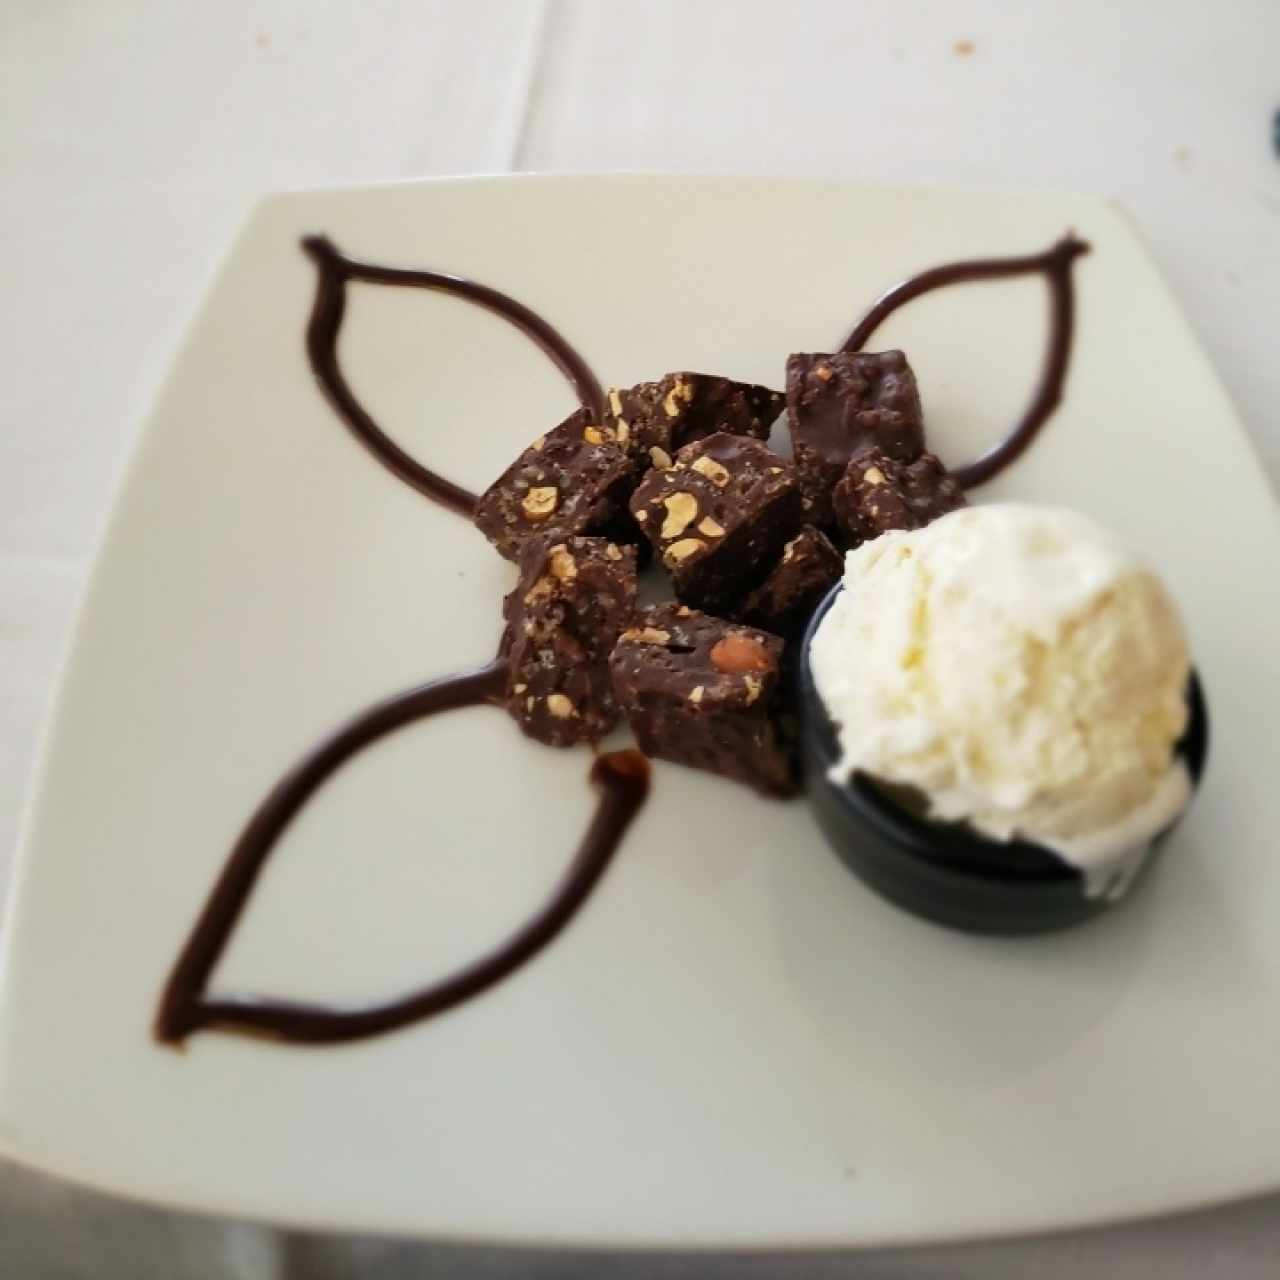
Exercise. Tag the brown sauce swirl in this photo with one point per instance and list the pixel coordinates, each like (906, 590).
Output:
(185, 1007)
(333, 272)
(1055, 265)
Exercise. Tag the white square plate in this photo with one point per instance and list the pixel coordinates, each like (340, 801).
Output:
(735, 1044)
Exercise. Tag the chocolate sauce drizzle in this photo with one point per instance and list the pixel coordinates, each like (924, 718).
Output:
(622, 777)
(334, 271)
(1055, 264)
(185, 1007)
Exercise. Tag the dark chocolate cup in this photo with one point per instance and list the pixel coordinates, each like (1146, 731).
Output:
(948, 872)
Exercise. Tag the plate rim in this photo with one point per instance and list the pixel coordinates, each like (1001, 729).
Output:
(35, 792)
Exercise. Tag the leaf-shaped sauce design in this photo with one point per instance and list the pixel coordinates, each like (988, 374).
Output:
(186, 1006)
(1055, 265)
(622, 777)
(334, 270)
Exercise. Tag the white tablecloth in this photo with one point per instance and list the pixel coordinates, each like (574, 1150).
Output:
(135, 136)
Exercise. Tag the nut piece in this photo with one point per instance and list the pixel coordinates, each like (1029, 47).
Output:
(682, 510)
(695, 694)
(562, 564)
(539, 503)
(680, 391)
(739, 653)
(543, 587)
(682, 550)
(539, 442)
(560, 706)
(753, 688)
(649, 635)
(624, 431)
(615, 401)
(823, 371)
(593, 435)
(714, 471)
(660, 458)
(873, 475)
(613, 552)
(711, 528)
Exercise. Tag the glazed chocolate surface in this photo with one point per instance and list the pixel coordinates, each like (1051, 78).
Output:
(878, 493)
(718, 517)
(841, 405)
(680, 408)
(807, 569)
(573, 480)
(704, 692)
(569, 606)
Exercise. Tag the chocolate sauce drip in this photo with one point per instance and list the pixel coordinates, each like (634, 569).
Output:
(334, 270)
(623, 779)
(1055, 264)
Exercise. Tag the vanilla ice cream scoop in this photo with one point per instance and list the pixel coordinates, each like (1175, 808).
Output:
(1023, 673)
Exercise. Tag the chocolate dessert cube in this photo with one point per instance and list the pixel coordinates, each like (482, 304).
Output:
(718, 516)
(563, 618)
(807, 569)
(841, 405)
(654, 420)
(701, 692)
(573, 480)
(879, 493)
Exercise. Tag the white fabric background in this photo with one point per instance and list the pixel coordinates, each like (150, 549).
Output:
(135, 135)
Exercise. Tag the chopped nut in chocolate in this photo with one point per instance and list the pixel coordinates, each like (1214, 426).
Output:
(703, 692)
(573, 480)
(656, 419)
(807, 569)
(840, 405)
(879, 493)
(718, 516)
(563, 618)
